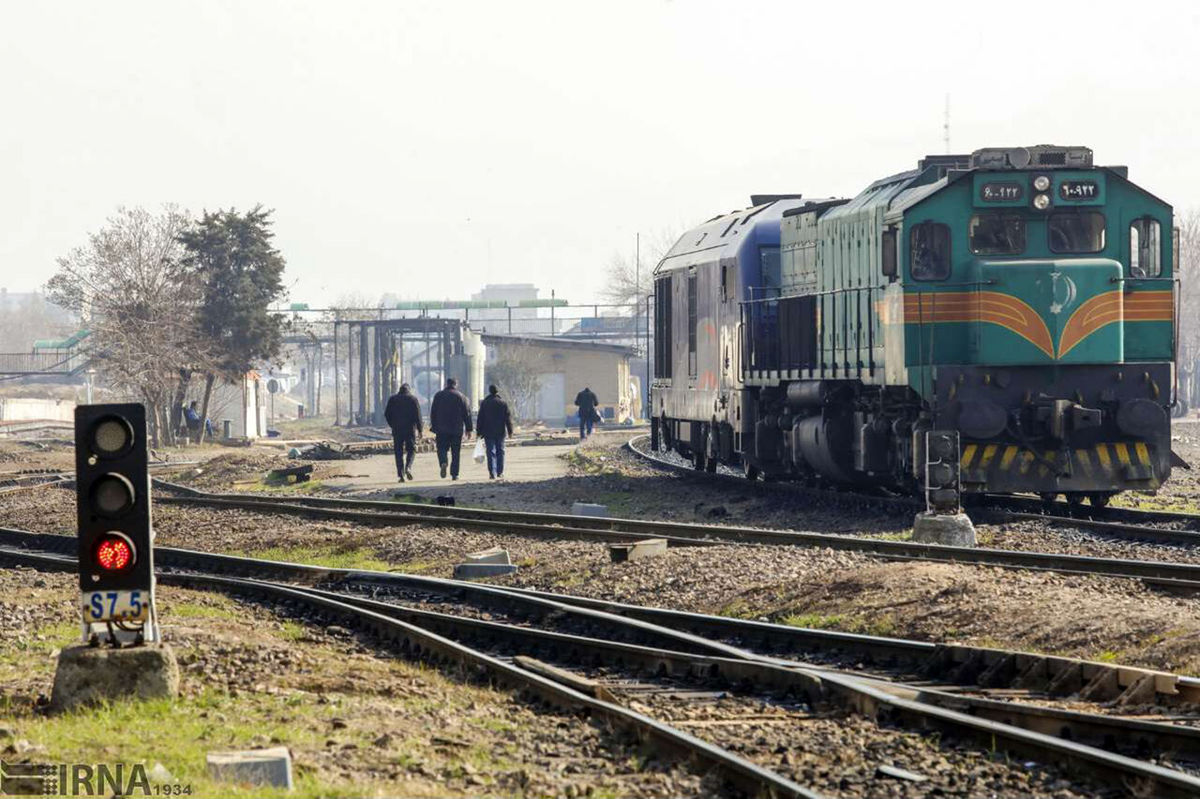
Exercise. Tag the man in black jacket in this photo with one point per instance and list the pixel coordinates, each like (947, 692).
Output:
(403, 414)
(493, 423)
(587, 401)
(449, 418)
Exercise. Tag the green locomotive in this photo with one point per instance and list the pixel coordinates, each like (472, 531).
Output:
(1020, 297)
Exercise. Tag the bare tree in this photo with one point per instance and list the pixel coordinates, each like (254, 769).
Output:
(630, 277)
(517, 373)
(139, 301)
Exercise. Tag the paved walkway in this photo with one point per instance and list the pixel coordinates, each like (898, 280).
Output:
(521, 464)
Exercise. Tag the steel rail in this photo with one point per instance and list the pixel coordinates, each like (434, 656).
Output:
(421, 643)
(862, 697)
(1163, 574)
(996, 508)
(966, 662)
(1104, 731)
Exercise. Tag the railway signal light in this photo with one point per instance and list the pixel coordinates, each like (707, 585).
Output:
(116, 555)
(942, 471)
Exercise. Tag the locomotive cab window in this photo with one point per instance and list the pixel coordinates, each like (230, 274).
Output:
(929, 251)
(1145, 251)
(997, 234)
(1076, 232)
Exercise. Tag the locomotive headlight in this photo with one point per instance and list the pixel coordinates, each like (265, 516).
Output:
(1041, 202)
(1041, 183)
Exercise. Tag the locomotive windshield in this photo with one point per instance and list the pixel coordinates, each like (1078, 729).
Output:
(997, 234)
(1076, 232)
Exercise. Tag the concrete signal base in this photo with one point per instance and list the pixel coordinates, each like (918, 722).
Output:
(951, 529)
(92, 674)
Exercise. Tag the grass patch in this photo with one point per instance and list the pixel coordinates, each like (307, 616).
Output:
(903, 535)
(190, 610)
(884, 625)
(178, 733)
(279, 487)
(330, 556)
(814, 621)
(293, 631)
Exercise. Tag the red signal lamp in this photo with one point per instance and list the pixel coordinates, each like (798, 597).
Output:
(114, 553)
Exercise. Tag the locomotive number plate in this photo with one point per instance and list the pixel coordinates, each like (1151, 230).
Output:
(1079, 190)
(1004, 192)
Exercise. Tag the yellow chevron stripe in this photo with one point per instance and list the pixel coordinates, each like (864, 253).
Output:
(1026, 461)
(1085, 462)
(1102, 453)
(1143, 452)
(1010, 452)
(989, 452)
(968, 453)
(1122, 453)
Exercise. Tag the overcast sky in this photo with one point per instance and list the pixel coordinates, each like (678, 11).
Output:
(424, 149)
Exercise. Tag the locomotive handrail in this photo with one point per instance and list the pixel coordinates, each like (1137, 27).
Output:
(929, 288)
(1124, 279)
(848, 289)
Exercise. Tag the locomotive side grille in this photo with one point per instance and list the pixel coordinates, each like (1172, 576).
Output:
(1052, 158)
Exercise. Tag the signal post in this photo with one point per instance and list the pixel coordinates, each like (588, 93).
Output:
(121, 654)
(943, 521)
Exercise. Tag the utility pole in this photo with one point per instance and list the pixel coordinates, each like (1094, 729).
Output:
(637, 305)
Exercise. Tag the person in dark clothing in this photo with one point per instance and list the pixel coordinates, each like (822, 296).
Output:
(403, 414)
(449, 419)
(587, 401)
(191, 417)
(493, 423)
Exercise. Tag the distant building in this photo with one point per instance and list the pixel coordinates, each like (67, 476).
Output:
(559, 368)
(514, 319)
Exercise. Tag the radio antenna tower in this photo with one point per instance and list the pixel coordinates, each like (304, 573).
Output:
(946, 126)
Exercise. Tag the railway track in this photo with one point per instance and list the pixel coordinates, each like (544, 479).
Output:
(1183, 577)
(417, 642)
(660, 644)
(1126, 523)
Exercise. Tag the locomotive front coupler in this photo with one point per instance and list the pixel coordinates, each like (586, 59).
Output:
(1059, 418)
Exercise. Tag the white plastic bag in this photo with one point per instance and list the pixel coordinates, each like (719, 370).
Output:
(480, 454)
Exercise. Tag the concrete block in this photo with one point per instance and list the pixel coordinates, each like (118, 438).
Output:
(620, 553)
(475, 571)
(950, 529)
(271, 767)
(493, 555)
(589, 509)
(91, 674)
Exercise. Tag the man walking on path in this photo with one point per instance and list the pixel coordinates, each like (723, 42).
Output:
(449, 419)
(403, 414)
(493, 423)
(587, 401)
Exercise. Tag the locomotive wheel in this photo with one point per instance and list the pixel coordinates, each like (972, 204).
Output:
(1099, 499)
(1048, 498)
